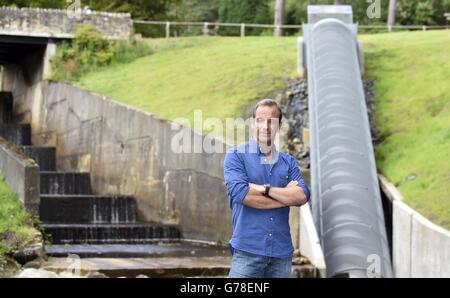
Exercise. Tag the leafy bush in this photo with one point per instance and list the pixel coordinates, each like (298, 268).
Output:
(89, 50)
(13, 220)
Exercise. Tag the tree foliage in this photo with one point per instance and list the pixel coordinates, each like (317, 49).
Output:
(245, 11)
(35, 3)
(421, 12)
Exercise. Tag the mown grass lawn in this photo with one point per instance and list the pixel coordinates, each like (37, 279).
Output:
(222, 76)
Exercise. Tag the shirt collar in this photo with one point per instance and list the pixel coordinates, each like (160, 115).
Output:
(256, 148)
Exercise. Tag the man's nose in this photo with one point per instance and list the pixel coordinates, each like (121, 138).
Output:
(266, 125)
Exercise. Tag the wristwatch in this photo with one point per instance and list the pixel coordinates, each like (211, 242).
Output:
(266, 190)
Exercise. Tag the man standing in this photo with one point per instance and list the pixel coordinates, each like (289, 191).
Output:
(262, 183)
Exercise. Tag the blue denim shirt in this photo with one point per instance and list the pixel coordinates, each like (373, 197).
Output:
(258, 231)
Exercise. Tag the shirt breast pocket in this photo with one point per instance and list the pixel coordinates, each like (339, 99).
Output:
(283, 178)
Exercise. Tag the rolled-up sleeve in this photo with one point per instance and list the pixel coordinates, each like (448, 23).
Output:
(295, 174)
(235, 176)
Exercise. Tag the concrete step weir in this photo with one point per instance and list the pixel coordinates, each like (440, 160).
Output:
(53, 182)
(72, 215)
(6, 107)
(44, 156)
(173, 248)
(17, 134)
(87, 208)
(129, 233)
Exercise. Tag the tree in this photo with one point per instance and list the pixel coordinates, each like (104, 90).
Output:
(424, 12)
(392, 10)
(200, 10)
(35, 3)
(279, 17)
(244, 11)
(139, 9)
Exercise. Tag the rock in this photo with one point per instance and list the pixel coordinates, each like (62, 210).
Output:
(28, 254)
(36, 273)
(407, 178)
(66, 274)
(304, 271)
(300, 260)
(296, 141)
(8, 267)
(36, 264)
(369, 94)
(31, 251)
(294, 104)
(9, 239)
(96, 274)
(41, 273)
(295, 110)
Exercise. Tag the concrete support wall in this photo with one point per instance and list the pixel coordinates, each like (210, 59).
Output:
(24, 80)
(21, 174)
(309, 243)
(420, 248)
(295, 213)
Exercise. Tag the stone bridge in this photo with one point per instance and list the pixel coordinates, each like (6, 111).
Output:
(56, 23)
(24, 31)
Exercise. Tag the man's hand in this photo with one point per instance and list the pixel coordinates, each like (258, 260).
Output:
(291, 195)
(292, 183)
(256, 189)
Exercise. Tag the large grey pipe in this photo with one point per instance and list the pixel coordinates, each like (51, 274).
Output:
(346, 201)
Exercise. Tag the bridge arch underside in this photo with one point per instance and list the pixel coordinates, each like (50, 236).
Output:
(24, 62)
(14, 49)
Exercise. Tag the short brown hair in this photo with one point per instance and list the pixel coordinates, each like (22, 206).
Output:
(267, 102)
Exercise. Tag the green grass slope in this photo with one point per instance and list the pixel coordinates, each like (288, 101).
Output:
(412, 70)
(220, 76)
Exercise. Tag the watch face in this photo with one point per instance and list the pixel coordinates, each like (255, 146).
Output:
(266, 191)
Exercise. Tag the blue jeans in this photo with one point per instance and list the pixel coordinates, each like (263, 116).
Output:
(245, 264)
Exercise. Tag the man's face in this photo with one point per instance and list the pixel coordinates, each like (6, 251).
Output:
(266, 124)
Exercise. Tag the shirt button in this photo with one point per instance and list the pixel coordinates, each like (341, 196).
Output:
(270, 234)
(271, 218)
